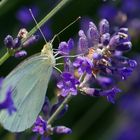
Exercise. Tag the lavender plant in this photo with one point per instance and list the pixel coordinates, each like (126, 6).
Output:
(96, 68)
(101, 61)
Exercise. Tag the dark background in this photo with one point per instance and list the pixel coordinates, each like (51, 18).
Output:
(89, 118)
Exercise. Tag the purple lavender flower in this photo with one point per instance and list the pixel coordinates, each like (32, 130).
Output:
(65, 47)
(110, 94)
(20, 54)
(120, 43)
(62, 130)
(8, 103)
(17, 42)
(40, 126)
(33, 39)
(83, 64)
(9, 41)
(68, 84)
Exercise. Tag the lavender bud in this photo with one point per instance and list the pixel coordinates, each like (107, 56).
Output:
(91, 91)
(93, 35)
(92, 25)
(17, 42)
(33, 39)
(103, 26)
(8, 41)
(123, 30)
(63, 48)
(22, 33)
(105, 39)
(20, 54)
(120, 42)
(125, 46)
(82, 34)
(114, 41)
(83, 45)
(62, 130)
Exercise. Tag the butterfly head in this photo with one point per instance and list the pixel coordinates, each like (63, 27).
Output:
(47, 49)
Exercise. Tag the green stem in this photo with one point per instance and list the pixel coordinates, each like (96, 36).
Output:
(34, 29)
(4, 57)
(54, 115)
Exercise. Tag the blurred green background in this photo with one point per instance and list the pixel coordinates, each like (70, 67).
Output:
(89, 118)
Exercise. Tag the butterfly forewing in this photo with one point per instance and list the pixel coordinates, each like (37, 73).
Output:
(29, 82)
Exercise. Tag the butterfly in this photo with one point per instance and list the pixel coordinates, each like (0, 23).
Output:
(29, 81)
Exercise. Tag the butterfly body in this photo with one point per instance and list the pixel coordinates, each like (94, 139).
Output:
(29, 81)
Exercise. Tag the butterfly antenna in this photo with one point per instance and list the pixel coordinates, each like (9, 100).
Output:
(56, 35)
(37, 25)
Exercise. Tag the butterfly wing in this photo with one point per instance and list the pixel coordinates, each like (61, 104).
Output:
(29, 82)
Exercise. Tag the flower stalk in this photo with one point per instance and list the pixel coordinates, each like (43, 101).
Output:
(4, 57)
